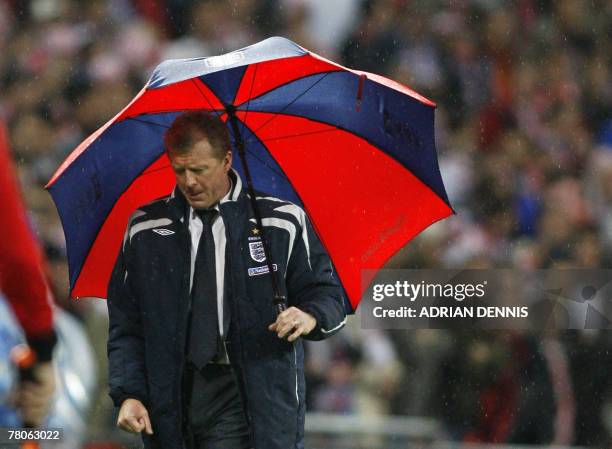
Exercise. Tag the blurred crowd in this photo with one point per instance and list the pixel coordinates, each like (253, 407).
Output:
(524, 136)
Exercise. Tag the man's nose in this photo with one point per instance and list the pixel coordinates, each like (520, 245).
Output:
(190, 180)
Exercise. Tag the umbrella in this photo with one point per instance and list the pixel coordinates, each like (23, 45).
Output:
(354, 149)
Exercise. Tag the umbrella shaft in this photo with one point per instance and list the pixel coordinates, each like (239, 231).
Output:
(280, 301)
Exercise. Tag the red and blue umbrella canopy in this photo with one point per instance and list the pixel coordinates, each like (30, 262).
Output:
(354, 149)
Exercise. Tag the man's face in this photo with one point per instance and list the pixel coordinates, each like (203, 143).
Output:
(200, 175)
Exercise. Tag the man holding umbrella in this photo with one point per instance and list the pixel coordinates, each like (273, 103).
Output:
(198, 352)
(296, 118)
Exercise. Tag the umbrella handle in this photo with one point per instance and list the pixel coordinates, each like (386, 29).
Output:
(280, 302)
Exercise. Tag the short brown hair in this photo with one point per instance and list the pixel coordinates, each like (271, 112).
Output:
(193, 126)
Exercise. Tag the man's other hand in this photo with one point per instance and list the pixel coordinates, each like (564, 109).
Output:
(133, 417)
(34, 397)
(293, 322)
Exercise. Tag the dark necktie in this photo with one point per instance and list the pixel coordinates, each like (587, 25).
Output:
(204, 333)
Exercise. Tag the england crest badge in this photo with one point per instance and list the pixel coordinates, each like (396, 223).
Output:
(257, 251)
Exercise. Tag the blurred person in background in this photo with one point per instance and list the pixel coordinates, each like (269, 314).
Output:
(510, 387)
(23, 282)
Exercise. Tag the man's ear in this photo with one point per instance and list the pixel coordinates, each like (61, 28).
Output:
(228, 161)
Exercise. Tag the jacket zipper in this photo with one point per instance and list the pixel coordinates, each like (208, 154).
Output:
(185, 294)
(234, 311)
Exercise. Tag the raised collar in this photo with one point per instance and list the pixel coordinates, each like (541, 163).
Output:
(235, 188)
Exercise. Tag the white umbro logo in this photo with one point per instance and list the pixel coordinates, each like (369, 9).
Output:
(162, 231)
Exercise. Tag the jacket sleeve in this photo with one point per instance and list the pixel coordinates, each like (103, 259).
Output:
(312, 286)
(127, 378)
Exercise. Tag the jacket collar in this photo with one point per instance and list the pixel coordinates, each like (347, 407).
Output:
(235, 189)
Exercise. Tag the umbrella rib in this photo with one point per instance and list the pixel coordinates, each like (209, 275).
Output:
(250, 93)
(272, 169)
(255, 156)
(290, 136)
(146, 122)
(244, 125)
(212, 108)
(286, 83)
(291, 102)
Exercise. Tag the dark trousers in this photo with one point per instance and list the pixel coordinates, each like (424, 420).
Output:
(216, 413)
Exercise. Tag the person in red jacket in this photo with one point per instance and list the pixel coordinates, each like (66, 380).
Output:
(23, 282)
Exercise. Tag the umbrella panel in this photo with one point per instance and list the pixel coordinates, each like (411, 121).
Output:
(363, 203)
(155, 182)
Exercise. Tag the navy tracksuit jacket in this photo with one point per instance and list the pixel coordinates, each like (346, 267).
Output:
(148, 303)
